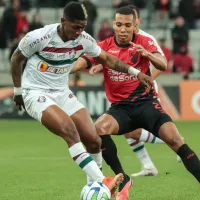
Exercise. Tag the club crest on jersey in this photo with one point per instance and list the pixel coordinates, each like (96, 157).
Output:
(72, 54)
(134, 57)
(41, 99)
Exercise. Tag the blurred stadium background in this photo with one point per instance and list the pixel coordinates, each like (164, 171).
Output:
(176, 26)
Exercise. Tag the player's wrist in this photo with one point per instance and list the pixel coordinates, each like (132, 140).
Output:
(17, 91)
(133, 71)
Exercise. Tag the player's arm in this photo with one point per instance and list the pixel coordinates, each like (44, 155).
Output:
(17, 60)
(24, 51)
(80, 64)
(158, 61)
(155, 73)
(116, 64)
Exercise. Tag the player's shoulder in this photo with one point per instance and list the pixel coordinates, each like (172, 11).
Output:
(85, 37)
(141, 32)
(106, 43)
(41, 36)
(144, 39)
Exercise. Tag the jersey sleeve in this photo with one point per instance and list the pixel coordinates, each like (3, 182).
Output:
(158, 46)
(91, 47)
(90, 60)
(31, 43)
(150, 45)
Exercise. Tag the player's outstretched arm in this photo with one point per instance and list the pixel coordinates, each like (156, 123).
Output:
(80, 64)
(17, 60)
(155, 73)
(116, 64)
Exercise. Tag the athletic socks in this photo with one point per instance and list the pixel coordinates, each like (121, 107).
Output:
(141, 153)
(190, 160)
(98, 159)
(109, 153)
(149, 137)
(85, 162)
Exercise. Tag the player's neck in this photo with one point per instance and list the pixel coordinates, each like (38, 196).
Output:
(61, 35)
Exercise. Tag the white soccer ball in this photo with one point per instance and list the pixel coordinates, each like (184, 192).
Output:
(95, 191)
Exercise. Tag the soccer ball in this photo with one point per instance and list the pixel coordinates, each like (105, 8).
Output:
(95, 191)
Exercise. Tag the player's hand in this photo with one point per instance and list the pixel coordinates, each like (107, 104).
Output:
(145, 80)
(95, 69)
(140, 49)
(19, 102)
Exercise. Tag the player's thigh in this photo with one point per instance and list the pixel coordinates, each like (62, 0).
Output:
(134, 134)
(85, 127)
(116, 121)
(44, 109)
(154, 117)
(58, 122)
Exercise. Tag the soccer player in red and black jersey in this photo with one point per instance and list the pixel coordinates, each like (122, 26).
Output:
(132, 105)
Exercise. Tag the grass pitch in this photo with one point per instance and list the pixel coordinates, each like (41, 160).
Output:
(35, 165)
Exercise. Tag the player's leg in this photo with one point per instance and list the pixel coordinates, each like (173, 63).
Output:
(169, 133)
(148, 167)
(161, 124)
(88, 135)
(87, 132)
(106, 125)
(143, 135)
(41, 107)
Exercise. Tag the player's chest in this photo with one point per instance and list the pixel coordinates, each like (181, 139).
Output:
(66, 52)
(128, 55)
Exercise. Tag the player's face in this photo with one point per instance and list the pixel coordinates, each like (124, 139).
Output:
(72, 29)
(124, 27)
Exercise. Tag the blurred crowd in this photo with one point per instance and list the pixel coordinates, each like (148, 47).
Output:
(15, 22)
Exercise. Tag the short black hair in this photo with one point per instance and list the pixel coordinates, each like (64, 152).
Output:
(125, 10)
(75, 11)
(136, 9)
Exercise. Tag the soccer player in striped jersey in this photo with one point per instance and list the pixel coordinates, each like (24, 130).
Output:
(43, 91)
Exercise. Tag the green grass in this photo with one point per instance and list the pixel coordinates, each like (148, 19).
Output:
(35, 165)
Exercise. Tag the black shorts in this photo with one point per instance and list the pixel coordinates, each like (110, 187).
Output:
(146, 114)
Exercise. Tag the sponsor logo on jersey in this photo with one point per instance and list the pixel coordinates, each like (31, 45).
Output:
(49, 55)
(40, 40)
(41, 99)
(44, 67)
(113, 51)
(120, 76)
(151, 42)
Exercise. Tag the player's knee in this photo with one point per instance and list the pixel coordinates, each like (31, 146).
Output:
(102, 128)
(175, 141)
(94, 145)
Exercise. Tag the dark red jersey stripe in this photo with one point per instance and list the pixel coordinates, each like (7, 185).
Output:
(62, 50)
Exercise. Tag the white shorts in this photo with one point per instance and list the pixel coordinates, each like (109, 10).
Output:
(36, 101)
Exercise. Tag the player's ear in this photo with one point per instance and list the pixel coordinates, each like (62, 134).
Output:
(63, 20)
(113, 24)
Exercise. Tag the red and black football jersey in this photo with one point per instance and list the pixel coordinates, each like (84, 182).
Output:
(121, 87)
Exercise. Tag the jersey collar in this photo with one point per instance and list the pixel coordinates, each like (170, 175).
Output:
(124, 45)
